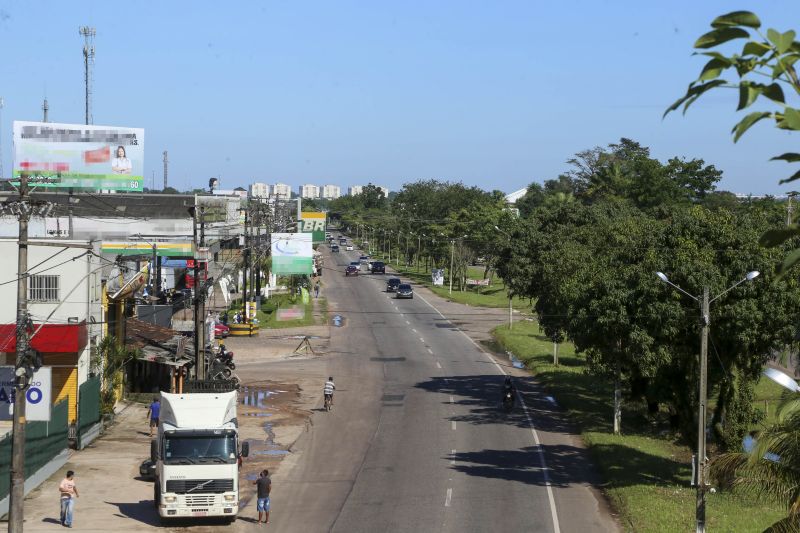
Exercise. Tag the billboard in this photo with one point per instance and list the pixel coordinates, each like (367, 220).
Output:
(61, 156)
(314, 223)
(291, 253)
(39, 396)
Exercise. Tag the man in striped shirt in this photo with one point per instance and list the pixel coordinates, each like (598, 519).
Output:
(328, 390)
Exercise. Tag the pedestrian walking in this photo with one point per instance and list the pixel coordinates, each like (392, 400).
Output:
(68, 492)
(316, 290)
(153, 413)
(263, 487)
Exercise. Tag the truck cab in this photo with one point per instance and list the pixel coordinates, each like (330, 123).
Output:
(197, 455)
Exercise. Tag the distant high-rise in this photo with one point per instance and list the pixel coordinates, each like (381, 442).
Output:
(308, 191)
(259, 190)
(331, 192)
(281, 191)
(355, 189)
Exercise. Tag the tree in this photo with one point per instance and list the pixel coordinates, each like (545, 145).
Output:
(762, 68)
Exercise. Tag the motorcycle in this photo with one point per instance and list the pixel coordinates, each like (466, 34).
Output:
(226, 356)
(508, 400)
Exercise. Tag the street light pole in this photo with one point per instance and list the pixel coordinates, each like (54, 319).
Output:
(452, 252)
(701, 461)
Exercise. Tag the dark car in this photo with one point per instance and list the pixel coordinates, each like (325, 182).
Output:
(378, 267)
(335, 248)
(392, 284)
(404, 290)
(351, 270)
(147, 470)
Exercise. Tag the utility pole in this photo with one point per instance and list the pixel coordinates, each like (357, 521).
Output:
(88, 62)
(790, 207)
(701, 461)
(166, 162)
(199, 299)
(452, 253)
(45, 109)
(17, 500)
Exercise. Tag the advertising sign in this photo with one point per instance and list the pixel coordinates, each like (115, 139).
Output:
(39, 395)
(291, 253)
(61, 156)
(314, 223)
(437, 276)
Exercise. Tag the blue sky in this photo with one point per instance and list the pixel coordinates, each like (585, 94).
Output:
(494, 94)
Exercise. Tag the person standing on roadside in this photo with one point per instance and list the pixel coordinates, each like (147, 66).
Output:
(68, 492)
(316, 290)
(153, 413)
(263, 487)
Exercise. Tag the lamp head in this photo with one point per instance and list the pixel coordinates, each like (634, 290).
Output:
(782, 379)
(662, 277)
(752, 275)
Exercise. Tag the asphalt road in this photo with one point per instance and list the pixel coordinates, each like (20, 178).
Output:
(417, 440)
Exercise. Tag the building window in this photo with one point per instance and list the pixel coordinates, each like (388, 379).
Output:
(43, 288)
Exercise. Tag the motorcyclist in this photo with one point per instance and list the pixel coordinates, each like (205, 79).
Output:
(327, 391)
(508, 388)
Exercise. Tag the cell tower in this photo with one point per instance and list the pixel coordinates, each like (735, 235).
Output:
(88, 65)
(166, 162)
(45, 109)
(1, 137)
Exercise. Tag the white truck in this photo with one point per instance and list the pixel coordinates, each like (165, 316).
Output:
(196, 456)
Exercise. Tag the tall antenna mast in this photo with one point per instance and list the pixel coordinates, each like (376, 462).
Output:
(166, 162)
(88, 65)
(1, 136)
(45, 109)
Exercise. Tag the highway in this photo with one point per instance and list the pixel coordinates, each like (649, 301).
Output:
(417, 440)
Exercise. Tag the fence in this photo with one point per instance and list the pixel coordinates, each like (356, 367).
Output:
(44, 441)
(88, 412)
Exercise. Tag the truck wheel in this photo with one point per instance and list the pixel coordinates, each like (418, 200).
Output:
(156, 494)
(232, 519)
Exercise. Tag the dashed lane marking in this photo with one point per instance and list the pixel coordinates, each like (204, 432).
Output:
(448, 497)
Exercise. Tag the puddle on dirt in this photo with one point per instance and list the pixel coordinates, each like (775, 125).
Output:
(516, 363)
(257, 397)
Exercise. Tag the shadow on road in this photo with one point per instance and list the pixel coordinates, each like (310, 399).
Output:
(142, 511)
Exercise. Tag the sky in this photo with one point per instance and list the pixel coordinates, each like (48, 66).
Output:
(496, 94)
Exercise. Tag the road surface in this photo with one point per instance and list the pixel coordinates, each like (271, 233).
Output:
(417, 440)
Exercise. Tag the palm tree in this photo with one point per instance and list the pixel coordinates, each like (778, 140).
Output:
(772, 469)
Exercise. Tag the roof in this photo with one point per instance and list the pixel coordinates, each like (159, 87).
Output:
(157, 343)
(512, 197)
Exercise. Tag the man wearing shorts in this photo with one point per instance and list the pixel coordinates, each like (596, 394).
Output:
(153, 412)
(263, 487)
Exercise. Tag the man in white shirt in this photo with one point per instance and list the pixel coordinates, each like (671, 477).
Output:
(328, 390)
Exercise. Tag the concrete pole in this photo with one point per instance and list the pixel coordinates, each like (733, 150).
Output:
(16, 506)
(452, 253)
(701, 416)
(510, 312)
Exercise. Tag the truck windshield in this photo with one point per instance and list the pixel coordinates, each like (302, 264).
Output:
(183, 449)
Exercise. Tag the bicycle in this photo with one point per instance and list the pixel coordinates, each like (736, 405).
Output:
(328, 402)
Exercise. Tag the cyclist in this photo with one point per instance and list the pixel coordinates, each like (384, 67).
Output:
(328, 390)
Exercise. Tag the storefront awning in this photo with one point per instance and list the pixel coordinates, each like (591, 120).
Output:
(51, 338)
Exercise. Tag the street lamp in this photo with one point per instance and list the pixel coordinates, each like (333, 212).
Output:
(782, 379)
(510, 296)
(701, 459)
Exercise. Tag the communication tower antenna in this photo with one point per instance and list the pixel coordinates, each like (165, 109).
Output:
(1, 136)
(45, 109)
(88, 65)
(166, 162)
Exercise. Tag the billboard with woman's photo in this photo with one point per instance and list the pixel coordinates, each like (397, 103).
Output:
(78, 156)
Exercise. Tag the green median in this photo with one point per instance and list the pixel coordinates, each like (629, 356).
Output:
(646, 471)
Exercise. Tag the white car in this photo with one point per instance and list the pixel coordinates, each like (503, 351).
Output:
(349, 248)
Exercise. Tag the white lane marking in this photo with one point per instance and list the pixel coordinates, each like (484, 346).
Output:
(448, 497)
(430, 351)
(453, 425)
(451, 399)
(407, 322)
(412, 329)
(438, 365)
(542, 461)
(452, 457)
(422, 340)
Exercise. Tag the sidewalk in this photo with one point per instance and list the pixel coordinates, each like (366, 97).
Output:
(112, 497)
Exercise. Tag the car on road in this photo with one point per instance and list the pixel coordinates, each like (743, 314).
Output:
(351, 270)
(221, 331)
(404, 290)
(392, 284)
(378, 267)
(147, 470)
(335, 248)
(364, 259)
(349, 248)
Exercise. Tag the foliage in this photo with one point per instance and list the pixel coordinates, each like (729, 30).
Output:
(763, 71)
(108, 360)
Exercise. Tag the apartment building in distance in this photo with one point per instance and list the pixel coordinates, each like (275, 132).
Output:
(281, 191)
(259, 190)
(358, 189)
(309, 191)
(331, 192)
